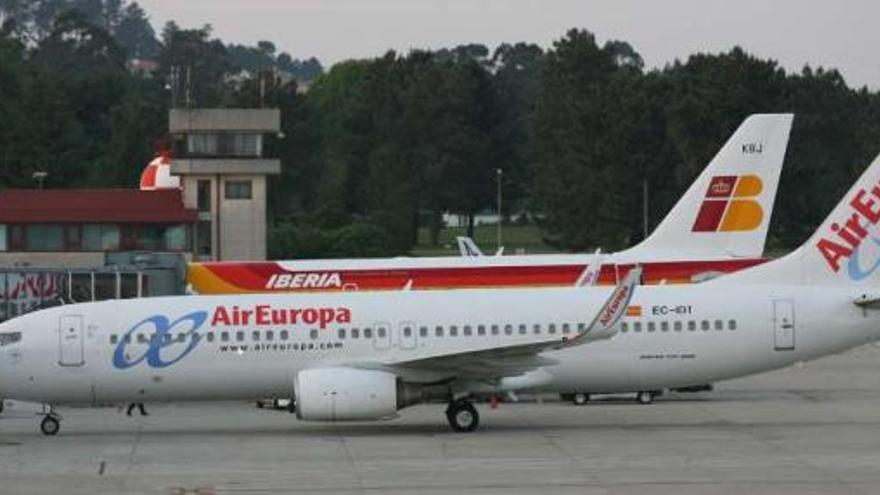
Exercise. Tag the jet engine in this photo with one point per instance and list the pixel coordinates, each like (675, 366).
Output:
(348, 394)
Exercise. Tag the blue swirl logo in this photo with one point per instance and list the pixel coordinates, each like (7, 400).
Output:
(854, 266)
(159, 330)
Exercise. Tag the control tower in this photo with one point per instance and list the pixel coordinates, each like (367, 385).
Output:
(219, 156)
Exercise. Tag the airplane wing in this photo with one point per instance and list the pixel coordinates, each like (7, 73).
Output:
(515, 359)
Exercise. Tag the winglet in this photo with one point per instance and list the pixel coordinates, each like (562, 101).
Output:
(604, 324)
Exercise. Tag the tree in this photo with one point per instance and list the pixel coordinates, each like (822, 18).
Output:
(135, 34)
(202, 65)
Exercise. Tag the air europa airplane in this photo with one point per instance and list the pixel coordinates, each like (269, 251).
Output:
(349, 356)
(718, 226)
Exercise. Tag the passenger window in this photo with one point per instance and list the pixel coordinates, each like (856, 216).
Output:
(127, 339)
(677, 326)
(719, 325)
(552, 328)
(582, 327)
(341, 333)
(651, 326)
(438, 331)
(637, 326)
(380, 332)
(467, 331)
(285, 335)
(113, 339)
(692, 325)
(355, 333)
(495, 329)
(10, 338)
(508, 329)
(407, 332)
(167, 338)
(453, 331)
(536, 328)
(313, 333)
(566, 328)
(210, 337)
(664, 326)
(731, 324)
(704, 325)
(224, 336)
(181, 337)
(481, 330)
(368, 333)
(522, 329)
(624, 327)
(239, 336)
(142, 338)
(423, 331)
(256, 336)
(270, 335)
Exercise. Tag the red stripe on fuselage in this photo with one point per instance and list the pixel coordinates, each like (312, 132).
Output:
(256, 276)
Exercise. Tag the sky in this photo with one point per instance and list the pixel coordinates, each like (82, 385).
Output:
(842, 34)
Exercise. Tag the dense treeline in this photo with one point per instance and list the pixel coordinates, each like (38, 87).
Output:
(376, 149)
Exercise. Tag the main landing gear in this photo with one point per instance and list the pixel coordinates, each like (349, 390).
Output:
(462, 416)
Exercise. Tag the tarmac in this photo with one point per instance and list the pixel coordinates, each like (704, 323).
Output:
(808, 429)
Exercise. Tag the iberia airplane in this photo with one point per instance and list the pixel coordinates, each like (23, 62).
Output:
(718, 226)
(348, 356)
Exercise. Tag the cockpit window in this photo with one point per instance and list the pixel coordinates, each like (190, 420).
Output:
(9, 338)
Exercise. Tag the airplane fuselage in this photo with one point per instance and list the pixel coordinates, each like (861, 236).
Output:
(249, 347)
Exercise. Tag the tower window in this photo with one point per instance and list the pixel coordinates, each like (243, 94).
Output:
(237, 189)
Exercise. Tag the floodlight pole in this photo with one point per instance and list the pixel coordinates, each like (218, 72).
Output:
(498, 174)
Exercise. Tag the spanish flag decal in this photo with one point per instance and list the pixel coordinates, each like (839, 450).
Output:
(634, 311)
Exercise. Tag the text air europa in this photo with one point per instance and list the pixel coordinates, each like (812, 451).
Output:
(846, 237)
(266, 314)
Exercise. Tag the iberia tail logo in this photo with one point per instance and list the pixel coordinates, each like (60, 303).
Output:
(730, 205)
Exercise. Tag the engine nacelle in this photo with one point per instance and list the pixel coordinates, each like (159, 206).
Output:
(347, 394)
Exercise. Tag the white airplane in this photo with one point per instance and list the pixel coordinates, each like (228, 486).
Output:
(718, 226)
(364, 356)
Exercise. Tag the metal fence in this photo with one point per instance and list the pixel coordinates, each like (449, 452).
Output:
(25, 290)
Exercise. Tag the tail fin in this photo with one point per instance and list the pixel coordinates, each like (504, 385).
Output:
(844, 250)
(467, 247)
(726, 211)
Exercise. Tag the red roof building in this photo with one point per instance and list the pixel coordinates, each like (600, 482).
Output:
(94, 220)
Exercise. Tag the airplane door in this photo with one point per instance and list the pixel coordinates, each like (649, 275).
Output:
(783, 325)
(70, 341)
(407, 335)
(382, 338)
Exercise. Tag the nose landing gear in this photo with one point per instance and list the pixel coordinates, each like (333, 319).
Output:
(50, 425)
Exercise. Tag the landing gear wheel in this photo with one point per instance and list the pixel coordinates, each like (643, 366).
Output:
(50, 426)
(580, 399)
(645, 397)
(462, 416)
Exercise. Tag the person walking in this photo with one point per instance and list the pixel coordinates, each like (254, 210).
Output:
(139, 405)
